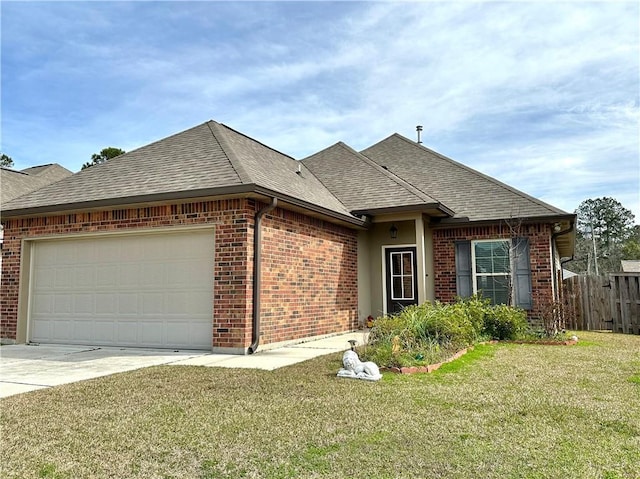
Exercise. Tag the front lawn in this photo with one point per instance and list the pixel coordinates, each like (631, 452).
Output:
(500, 411)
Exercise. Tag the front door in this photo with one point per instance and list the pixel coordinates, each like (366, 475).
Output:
(401, 279)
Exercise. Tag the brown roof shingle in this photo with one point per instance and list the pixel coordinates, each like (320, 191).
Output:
(203, 160)
(362, 185)
(466, 191)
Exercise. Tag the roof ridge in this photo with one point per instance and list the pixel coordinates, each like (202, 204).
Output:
(254, 140)
(499, 183)
(429, 195)
(284, 155)
(229, 152)
(320, 180)
(14, 171)
(423, 195)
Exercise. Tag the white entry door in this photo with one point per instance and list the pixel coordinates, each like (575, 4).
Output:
(137, 290)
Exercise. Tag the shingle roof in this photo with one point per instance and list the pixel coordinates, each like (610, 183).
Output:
(212, 159)
(202, 159)
(466, 191)
(14, 184)
(362, 185)
(263, 166)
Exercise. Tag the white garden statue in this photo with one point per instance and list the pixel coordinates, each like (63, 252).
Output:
(356, 369)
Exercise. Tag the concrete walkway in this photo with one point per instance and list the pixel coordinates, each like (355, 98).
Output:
(26, 368)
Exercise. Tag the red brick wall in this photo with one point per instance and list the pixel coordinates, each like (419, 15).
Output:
(309, 277)
(539, 250)
(233, 253)
(309, 266)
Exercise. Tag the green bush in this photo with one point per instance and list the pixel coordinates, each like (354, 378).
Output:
(505, 323)
(431, 332)
(476, 308)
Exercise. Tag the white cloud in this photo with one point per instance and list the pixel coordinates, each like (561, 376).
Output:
(542, 95)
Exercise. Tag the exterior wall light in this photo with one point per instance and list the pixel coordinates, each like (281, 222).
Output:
(393, 231)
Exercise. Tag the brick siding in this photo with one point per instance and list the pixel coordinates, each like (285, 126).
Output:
(232, 270)
(309, 277)
(309, 266)
(539, 250)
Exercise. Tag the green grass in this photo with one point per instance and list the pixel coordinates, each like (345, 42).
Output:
(501, 411)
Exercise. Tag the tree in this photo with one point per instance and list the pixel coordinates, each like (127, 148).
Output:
(604, 226)
(104, 155)
(631, 248)
(6, 161)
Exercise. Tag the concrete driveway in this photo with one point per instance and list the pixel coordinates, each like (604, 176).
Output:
(26, 368)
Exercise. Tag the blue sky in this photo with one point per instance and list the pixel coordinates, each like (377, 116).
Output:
(541, 95)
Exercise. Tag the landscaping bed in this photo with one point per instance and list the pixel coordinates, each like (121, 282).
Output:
(421, 337)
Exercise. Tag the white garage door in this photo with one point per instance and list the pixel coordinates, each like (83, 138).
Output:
(151, 290)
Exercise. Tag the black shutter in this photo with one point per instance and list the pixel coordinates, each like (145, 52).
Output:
(464, 276)
(522, 274)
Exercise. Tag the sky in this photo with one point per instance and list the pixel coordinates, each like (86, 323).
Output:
(543, 96)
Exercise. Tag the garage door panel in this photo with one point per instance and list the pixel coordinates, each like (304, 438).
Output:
(64, 278)
(84, 303)
(153, 290)
(200, 303)
(179, 332)
(42, 304)
(104, 332)
(154, 247)
(188, 333)
(83, 330)
(153, 275)
(45, 278)
(152, 333)
(85, 252)
(132, 252)
(128, 333)
(40, 329)
(64, 254)
(107, 275)
(63, 304)
(198, 334)
(129, 274)
(182, 273)
(61, 329)
(152, 303)
(85, 277)
(128, 304)
(178, 303)
(105, 304)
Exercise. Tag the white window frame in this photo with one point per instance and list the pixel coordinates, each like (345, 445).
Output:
(401, 275)
(476, 274)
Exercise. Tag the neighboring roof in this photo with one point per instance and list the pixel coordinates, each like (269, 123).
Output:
(17, 183)
(468, 192)
(630, 265)
(365, 187)
(206, 160)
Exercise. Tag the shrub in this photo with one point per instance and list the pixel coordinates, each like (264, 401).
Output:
(476, 308)
(505, 322)
(431, 332)
(449, 324)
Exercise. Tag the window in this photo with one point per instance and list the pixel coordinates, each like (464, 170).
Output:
(492, 270)
(499, 269)
(402, 275)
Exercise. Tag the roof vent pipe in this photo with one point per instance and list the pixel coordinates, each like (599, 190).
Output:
(257, 260)
(419, 130)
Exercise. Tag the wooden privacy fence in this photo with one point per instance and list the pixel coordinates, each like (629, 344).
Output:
(600, 302)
